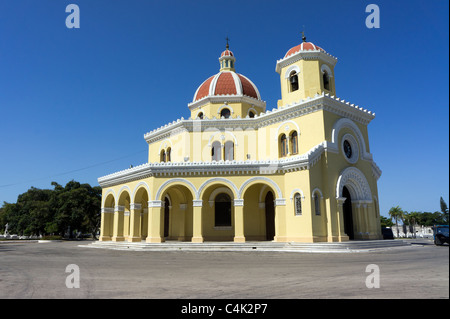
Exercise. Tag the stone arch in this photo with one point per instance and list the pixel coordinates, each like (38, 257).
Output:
(347, 123)
(260, 179)
(139, 187)
(218, 180)
(182, 181)
(356, 183)
(107, 195)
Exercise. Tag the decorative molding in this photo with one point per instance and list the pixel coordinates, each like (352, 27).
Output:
(238, 202)
(107, 210)
(197, 203)
(356, 183)
(355, 148)
(155, 203)
(290, 69)
(135, 206)
(277, 115)
(280, 202)
(305, 55)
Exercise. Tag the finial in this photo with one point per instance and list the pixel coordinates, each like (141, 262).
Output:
(228, 46)
(303, 36)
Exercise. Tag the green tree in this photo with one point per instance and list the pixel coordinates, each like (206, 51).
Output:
(396, 213)
(386, 222)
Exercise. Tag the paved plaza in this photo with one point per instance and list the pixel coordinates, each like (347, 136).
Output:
(38, 270)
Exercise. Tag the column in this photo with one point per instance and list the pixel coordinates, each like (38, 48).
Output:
(358, 219)
(182, 231)
(280, 220)
(107, 214)
(135, 223)
(118, 223)
(155, 222)
(197, 236)
(341, 229)
(239, 221)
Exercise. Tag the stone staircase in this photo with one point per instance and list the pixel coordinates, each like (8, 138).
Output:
(344, 247)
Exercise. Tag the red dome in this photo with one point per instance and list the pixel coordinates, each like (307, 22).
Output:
(227, 83)
(227, 53)
(304, 46)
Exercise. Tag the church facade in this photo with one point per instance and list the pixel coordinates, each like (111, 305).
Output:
(236, 171)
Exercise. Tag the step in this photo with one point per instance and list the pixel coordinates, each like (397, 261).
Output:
(251, 246)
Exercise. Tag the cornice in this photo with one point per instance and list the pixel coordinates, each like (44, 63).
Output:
(319, 102)
(230, 98)
(261, 167)
(305, 55)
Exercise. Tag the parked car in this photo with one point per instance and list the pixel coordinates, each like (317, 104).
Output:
(440, 233)
(387, 233)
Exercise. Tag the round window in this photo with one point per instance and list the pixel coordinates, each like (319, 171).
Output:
(350, 148)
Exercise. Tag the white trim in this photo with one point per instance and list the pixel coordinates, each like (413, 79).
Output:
(219, 180)
(212, 139)
(219, 190)
(176, 180)
(224, 106)
(297, 190)
(104, 197)
(253, 84)
(124, 187)
(155, 203)
(238, 202)
(318, 191)
(138, 186)
(237, 83)
(349, 124)
(290, 69)
(261, 178)
(284, 123)
(165, 147)
(356, 183)
(354, 145)
(212, 85)
(325, 67)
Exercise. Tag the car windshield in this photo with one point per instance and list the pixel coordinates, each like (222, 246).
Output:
(443, 231)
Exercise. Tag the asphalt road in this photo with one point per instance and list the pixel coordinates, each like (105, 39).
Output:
(38, 270)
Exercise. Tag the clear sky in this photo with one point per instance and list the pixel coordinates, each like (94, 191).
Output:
(75, 103)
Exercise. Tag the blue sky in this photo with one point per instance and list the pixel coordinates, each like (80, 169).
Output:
(75, 103)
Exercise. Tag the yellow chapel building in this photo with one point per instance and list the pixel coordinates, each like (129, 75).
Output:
(236, 171)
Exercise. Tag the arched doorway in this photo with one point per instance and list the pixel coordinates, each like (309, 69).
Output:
(166, 217)
(348, 214)
(270, 216)
(222, 210)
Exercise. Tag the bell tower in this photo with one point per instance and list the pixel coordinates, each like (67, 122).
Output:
(305, 70)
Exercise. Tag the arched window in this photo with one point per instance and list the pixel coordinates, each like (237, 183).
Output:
(293, 81)
(225, 113)
(200, 115)
(168, 154)
(216, 151)
(222, 210)
(162, 156)
(251, 114)
(283, 146)
(316, 204)
(294, 142)
(229, 151)
(298, 204)
(326, 80)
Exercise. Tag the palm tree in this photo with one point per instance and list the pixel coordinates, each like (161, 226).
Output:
(396, 213)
